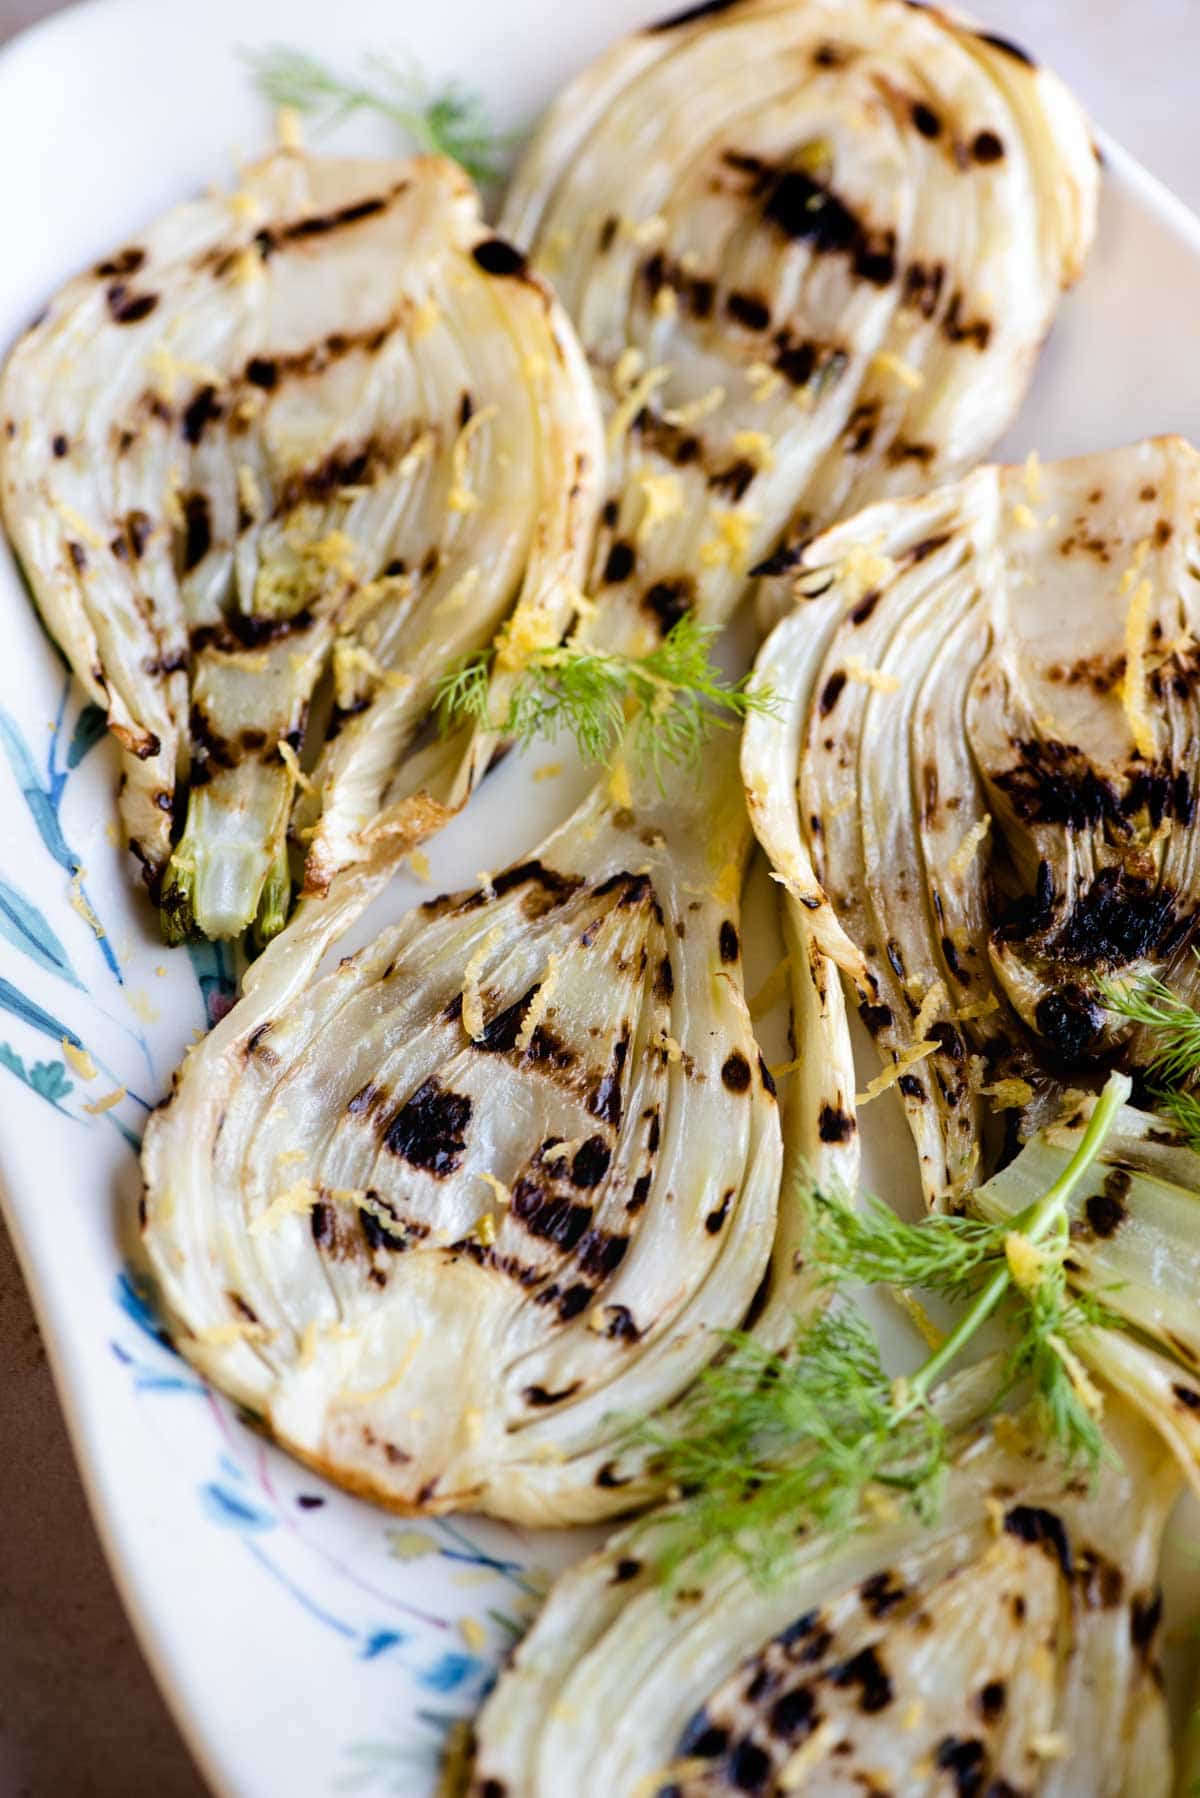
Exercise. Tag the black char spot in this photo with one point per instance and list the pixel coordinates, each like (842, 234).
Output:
(793, 1713)
(428, 1131)
(965, 1761)
(704, 10)
(591, 1162)
(129, 308)
(200, 411)
(620, 563)
(735, 1072)
(197, 540)
(925, 119)
(1031, 1524)
(497, 257)
(625, 1569)
(866, 1671)
(835, 1125)
(987, 147)
(727, 941)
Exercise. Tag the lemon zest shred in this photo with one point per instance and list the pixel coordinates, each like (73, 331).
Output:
(79, 1059)
(105, 1102)
(1133, 682)
(535, 1011)
(472, 1002)
(967, 850)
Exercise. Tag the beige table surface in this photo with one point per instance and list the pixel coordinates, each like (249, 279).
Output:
(79, 1715)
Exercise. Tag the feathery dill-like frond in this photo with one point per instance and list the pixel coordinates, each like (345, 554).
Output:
(450, 119)
(663, 704)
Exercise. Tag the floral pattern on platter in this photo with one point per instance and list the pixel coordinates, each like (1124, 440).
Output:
(371, 1587)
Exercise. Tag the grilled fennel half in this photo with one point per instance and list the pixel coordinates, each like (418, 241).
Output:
(979, 784)
(811, 248)
(1008, 1644)
(448, 1215)
(309, 441)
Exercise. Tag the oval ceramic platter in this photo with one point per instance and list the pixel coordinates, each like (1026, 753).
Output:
(307, 1642)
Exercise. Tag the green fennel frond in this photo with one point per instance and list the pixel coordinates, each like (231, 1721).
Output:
(450, 119)
(868, 1244)
(662, 704)
(765, 1444)
(1175, 1059)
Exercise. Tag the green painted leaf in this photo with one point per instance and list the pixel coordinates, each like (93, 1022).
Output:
(28, 929)
(49, 1080)
(90, 726)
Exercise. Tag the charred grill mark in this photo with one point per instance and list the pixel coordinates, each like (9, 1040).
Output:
(966, 1763)
(125, 262)
(1145, 1615)
(1006, 44)
(626, 1569)
(620, 1326)
(704, 10)
(1106, 1211)
(59, 445)
(590, 1163)
(197, 533)
(860, 428)
(429, 1129)
(1053, 783)
(831, 692)
(209, 746)
(696, 293)
(876, 1017)
(366, 1100)
(735, 1073)
(496, 256)
(734, 479)
(609, 1478)
(620, 563)
(137, 533)
(379, 1235)
(902, 450)
(1044, 1529)
(1100, 1582)
(921, 289)
(714, 1223)
(345, 466)
(607, 235)
(960, 330)
(548, 889)
(1188, 1397)
(748, 309)
(641, 1192)
(925, 119)
(702, 1738)
(882, 1593)
(262, 371)
(78, 555)
(202, 409)
(987, 147)
(834, 1124)
(605, 1101)
(866, 1671)
(321, 1223)
(537, 1395)
(127, 308)
(322, 223)
(669, 601)
(664, 979)
(601, 1252)
(991, 1700)
(242, 630)
(547, 1215)
(808, 211)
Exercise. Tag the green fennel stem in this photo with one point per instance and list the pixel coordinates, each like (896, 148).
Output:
(1034, 1223)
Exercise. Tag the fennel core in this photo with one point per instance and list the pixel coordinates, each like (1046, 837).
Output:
(663, 704)
(770, 1444)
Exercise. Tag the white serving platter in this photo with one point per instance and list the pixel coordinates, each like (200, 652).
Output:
(307, 1643)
